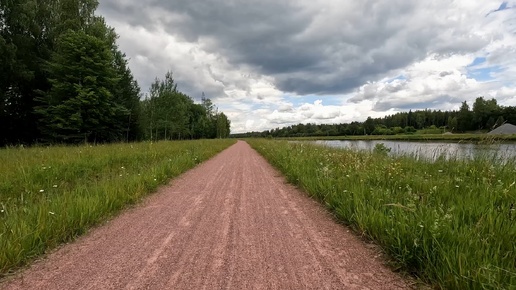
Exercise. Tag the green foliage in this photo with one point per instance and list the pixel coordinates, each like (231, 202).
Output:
(50, 195)
(452, 123)
(381, 149)
(410, 129)
(127, 94)
(29, 32)
(382, 130)
(80, 104)
(464, 118)
(483, 111)
(452, 223)
(222, 125)
(500, 121)
(64, 79)
(431, 130)
(170, 114)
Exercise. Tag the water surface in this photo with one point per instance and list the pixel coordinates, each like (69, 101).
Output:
(430, 150)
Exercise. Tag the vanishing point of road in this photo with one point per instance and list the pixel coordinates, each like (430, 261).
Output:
(230, 223)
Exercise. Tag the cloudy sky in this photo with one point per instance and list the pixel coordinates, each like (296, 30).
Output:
(270, 63)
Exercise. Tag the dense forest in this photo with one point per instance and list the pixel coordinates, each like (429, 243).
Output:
(483, 116)
(63, 79)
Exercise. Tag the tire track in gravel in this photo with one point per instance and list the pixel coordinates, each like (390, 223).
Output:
(231, 223)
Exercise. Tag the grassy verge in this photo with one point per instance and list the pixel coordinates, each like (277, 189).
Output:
(452, 223)
(51, 195)
(419, 137)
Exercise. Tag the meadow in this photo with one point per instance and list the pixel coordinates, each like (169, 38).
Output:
(50, 195)
(451, 223)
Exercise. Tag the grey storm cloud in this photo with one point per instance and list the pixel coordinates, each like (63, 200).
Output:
(292, 42)
(414, 104)
(263, 61)
(445, 73)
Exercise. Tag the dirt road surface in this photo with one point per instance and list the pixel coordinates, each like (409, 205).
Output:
(230, 223)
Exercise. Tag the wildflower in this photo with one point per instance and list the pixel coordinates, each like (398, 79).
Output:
(457, 186)
(41, 190)
(51, 212)
(122, 167)
(1, 210)
(440, 170)
(54, 186)
(154, 179)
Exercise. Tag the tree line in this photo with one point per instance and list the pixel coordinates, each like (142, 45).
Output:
(484, 115)
(63, 79)
(170, 114)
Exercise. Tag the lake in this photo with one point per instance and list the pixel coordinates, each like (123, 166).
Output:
(430, 150)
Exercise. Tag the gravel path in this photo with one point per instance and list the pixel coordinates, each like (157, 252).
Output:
(230, 223)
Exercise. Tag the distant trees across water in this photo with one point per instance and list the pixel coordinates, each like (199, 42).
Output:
(485, 115)
(63, 79)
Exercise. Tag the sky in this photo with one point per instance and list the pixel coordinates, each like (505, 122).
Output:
(268, 64)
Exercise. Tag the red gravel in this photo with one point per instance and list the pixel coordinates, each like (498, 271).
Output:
(230, 223)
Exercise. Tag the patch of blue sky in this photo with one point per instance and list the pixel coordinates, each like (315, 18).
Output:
(503, 6)
(327, 100)
(400, 77)
(483, 74)
(477, 61)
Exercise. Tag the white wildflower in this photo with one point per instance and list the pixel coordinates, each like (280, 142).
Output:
(41, 190)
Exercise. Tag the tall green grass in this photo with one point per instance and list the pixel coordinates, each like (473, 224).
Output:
(51, 195)
(452, 223)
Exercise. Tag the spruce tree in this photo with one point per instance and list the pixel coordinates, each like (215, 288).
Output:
(80, 105)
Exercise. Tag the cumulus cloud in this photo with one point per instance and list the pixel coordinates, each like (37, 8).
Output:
(382, 57)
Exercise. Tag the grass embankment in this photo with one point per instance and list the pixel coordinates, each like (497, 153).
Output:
(51, 195)
(452, 223)
(418, 137)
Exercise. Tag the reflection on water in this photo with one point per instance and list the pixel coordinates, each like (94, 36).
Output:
(431, 150)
